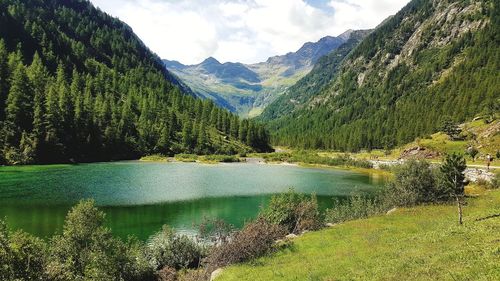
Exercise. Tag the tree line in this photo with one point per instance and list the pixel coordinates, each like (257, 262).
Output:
(391, 106)
(77, 85)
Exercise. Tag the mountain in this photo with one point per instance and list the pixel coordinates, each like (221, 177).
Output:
(78, 85)
(321, 74)
(432, 62)
(247, 88)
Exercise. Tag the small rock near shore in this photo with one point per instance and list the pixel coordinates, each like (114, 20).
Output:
(391, 211)
(215, 274)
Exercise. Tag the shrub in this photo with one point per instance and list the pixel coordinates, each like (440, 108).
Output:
(86, 249)
(221, 158)
(495, 181)
(167, 274)
(154, 157)
(195, 275)
(386, 167)
(472, 152)
(22, 256)
(136, 266)
(414, 183)
(355, 207)
(277, 157)
(254, 240)
(168, 249)
(186, 157)
(214, 231)
(296, 212)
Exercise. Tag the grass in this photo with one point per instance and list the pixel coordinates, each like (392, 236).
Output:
(484, 136)
(219, 159)
(186, 157)
(154, 158)
(422, 243)
(207, 159)
(313, 158)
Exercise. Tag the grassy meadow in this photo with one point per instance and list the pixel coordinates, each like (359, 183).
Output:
(421, 243)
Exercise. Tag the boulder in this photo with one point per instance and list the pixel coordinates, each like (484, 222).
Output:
(215, 274)
(418, 152)
(391, 211)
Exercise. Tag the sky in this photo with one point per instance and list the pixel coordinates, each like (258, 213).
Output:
(246, 31)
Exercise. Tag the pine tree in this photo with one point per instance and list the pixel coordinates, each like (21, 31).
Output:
(52, 116)
(38, 75)
(453, 170)
(202, 139)
(187, 134)
(19, 104)
(4, 81)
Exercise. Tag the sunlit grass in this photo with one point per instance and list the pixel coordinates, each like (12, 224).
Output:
(422, 243)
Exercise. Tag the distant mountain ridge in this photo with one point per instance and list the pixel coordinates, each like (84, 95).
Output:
(247, 88)
(321, 74)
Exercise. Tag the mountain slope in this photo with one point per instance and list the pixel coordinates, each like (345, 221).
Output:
(247, 89)
(319, 77)
(432, 61)
(79, 85)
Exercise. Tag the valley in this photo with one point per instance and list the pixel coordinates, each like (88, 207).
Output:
(370, 155)
(247, 89)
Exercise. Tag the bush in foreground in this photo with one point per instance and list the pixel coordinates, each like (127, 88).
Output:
(22, 256)
(355, 207)
(296, 212)
(87, 250)
(415, 182)
(168, 249)
(254, 240)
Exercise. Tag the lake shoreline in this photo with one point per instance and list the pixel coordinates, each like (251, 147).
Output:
(262, 161)
(140, 197)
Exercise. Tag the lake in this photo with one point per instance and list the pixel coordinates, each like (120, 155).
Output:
(139, 197)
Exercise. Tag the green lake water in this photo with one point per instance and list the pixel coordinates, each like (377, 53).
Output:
(140, 197)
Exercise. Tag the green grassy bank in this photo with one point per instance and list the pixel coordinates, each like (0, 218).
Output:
(421, 243)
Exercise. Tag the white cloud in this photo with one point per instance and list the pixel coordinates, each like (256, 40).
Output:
(242, 30)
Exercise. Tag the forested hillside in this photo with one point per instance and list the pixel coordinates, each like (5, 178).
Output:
(431, 62)
(322, 73)
(78, 85)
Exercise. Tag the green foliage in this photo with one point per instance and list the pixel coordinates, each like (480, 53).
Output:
(186, 157)
(254, 240)
(397, 246)
(452, 174)
(296, 212)
(415, 182)
(167, 249)
(307, 157)
(495, 182)
(87, 251)
(154, 157)
(319, 77)
(381, 96)
(355, 207)
(221, 158)
(77, 85)
(22, 256)
(451, 129)
(472, 152)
